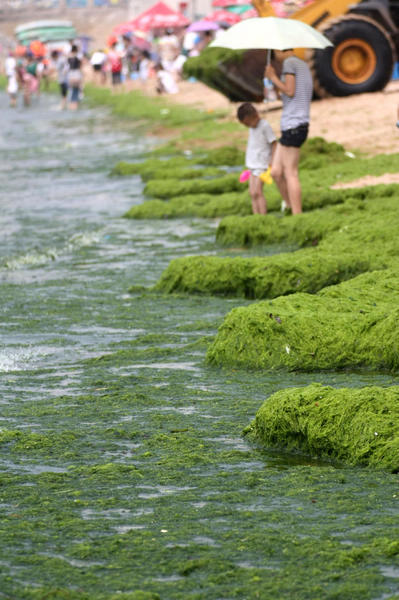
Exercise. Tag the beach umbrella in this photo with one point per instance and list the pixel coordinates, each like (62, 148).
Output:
(112, 39)
(224, 16)
(240, 9)
(20, 51)
(226, 3)
(123, 28)
(159, 16)
(203, 25)
(37, 48)
(271, 33)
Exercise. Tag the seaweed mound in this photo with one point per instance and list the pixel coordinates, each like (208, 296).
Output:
(355, 426)
(236, 74)
(193, 205)
(160, 188)
(352, 324)
(344, 242)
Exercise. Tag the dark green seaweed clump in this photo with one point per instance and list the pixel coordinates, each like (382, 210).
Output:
(355, 426)
(354, 238)
(159, 188)
(193, 205)
(354, 324)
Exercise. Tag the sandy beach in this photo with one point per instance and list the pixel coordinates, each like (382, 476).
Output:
(363, 123)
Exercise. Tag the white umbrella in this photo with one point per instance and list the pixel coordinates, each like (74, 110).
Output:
(271, 33)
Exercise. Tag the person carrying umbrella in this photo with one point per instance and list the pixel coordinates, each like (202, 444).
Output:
(295, 86)
(296, 89)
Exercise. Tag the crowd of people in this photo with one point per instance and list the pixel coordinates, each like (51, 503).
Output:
(27, 72)
(159, 60)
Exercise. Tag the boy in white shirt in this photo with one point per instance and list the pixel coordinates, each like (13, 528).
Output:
(259, 155)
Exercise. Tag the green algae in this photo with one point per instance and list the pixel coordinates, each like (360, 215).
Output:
(346, 240)
(136, 105)
(167, 172)
(199, 513)
(348, 325)
(305, 229)
(174, 187)
(221, 204)
(267, 277)
(193, 205)
(354, 426)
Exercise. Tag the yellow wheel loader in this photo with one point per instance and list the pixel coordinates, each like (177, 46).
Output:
(365, 35)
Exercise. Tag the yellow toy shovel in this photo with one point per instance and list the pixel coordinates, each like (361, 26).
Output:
(266, 177)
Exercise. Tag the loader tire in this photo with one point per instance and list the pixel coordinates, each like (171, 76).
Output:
(361, 60)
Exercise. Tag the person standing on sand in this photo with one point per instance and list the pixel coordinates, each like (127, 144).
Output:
(296, 89)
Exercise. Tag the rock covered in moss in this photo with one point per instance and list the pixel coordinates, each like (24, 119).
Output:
(150, 165)
(167, 172)
(354, 240)
(352, 324)
(193, 205)
(257, 277)
(355, 426)
(174, 187)
(343, 207)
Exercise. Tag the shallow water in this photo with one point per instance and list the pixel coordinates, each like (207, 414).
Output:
(128, 470)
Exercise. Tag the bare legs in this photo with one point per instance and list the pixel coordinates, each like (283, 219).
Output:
(257, 196)
(285, 174)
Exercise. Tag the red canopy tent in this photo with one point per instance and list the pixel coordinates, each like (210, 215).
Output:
(224, 16)
(226, 3)
(157, 17)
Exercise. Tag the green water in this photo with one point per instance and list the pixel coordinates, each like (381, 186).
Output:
(123, 467)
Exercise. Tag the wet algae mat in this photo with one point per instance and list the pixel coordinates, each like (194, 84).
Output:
(125, 474)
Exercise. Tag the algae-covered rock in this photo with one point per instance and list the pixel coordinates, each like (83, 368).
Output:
(355, 426)
(151, 164)
(317, 152)
(228, 156)
(308, 270)
(193, 205)
(346, 206)
(174, 187)
(356, 240)
(351, 324)
(303, 229)
(167, 172)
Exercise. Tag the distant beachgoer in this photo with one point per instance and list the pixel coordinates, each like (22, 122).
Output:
(98, 61)
(177, 66)
(296, 88)
(24, 80)
(115, 62)
(166, 82)
(189, 41)
(259, 155)
(32, 75)
(145, 65)
(12, 78)
(169, 49)
(60, 65)
(75, 77)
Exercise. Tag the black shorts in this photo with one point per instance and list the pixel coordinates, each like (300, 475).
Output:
(97, 67)
(64, 89)
(295, 137)
(116, 77)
